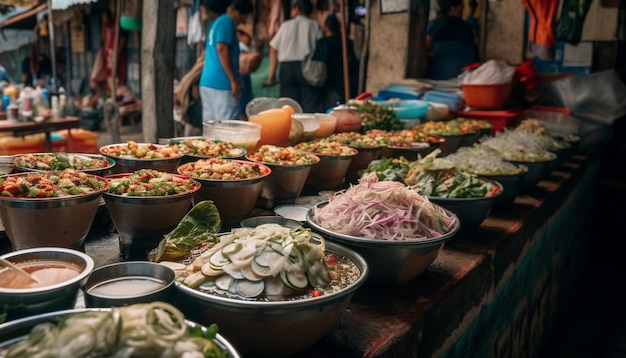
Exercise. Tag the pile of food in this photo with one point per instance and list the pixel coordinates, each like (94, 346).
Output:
(519, 145)
(150, 182)
(155, 329)
(223, 169)
(375, 139)
(69, 182)
(320, 147)
(271, 154)
(482, 160)
(270, 262)
(134, 150)
(60, 161)
(209, 148)
(383, 210)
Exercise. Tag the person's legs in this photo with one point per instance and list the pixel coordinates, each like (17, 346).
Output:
(288, 80)
(218, 104)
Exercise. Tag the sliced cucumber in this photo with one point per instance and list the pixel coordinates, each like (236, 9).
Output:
(208, 270)
(249, 274)
(207, 286)
(265, 258)
(217, 260)
(224, 282)
(295, 280)
(263, 271)
(249, 289)
(233, 271)
(176, 266)
(195, 279)
(231, 249)
(274, 286)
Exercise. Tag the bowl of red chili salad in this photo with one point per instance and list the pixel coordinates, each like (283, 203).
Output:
(290, 169)
(335, 158)
(396, 230)
(95, 164)
(132, 156)
(49, 208)
(233, 185)
(145, 205)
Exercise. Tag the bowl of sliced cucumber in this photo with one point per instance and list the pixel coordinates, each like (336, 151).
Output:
(273, 290)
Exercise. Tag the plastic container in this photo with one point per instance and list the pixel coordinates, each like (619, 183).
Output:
(33, 143)
(328, 123)
(241, 133)
(498, 119)
(81, 141)
(348, 119)
(486, 96)
(410, 109)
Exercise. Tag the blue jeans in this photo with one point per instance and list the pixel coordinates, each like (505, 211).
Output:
(218, 104)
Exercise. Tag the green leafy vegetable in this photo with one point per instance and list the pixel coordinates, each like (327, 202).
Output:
(195, 229)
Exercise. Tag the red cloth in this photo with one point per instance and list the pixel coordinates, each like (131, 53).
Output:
(542, 16)
(108, 40)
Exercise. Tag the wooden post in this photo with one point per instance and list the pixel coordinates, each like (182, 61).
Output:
(417, 57)
(344, 52)
(53, 53)
(158, 49)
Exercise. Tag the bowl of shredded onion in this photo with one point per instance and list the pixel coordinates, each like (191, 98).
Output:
(396, 230)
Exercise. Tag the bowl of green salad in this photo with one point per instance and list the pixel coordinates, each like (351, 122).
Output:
(145, 205)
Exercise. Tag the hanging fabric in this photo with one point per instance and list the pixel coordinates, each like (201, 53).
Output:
(572, 19)
(195, 29)
(541, 35)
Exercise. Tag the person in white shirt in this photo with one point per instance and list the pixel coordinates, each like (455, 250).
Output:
(294, 40)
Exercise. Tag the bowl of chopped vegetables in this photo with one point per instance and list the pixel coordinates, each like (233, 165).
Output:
(274, 291)
(145, 205)
(233, 185)
(132, 156)
(290, 168)
(335, 159)
(155, 329)
(49, 208)
(398, 232)
(89, 163)
(200, 148)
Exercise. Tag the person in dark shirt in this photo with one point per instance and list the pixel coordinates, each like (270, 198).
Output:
(334, 90)
(26, 70)
(450, 42)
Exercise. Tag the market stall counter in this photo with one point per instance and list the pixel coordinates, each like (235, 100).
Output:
(493, 291)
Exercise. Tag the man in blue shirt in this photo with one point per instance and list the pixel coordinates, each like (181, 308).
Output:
(220, 82)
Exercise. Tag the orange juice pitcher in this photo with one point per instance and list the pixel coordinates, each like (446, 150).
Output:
(275, 124)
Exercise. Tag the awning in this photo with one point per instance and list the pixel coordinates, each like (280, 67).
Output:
(14, 39)
(24, 20)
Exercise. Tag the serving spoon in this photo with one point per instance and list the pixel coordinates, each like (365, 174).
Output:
(10, 264)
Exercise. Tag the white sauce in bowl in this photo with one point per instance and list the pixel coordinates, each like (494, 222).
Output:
(131, 286)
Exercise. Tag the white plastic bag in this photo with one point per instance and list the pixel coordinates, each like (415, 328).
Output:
(489, 73)
(195, 31)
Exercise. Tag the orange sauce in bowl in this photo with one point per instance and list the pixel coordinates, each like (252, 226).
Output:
(47, 272)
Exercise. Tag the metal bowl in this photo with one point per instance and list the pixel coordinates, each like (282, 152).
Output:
(57, 221)
(537, 171)
(330, 172)
(234, 199)
(285, 182)
(411, 153)
(360, 161)
(261, 220)
(100, 171)
(141, 221)
(470, 211)
(18, 330)
(511, 186)
(130, 282)
(451, 143)
(273, 328)
(391, 262)
(468, 139)
(17, 303)
(129, 165)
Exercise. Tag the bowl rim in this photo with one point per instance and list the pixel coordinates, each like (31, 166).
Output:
(56, 198)
(247, 162)
(473, 199)
(91, 155)
(90, 285)
(89, 266)
(178, 140)
(333, 247)
(134, 159)
(106, 194)
(552, 156)
(21, 323)
(523, 168)
(278, 167)
(366, 242)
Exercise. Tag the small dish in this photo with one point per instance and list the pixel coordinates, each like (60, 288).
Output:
(294, 212)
